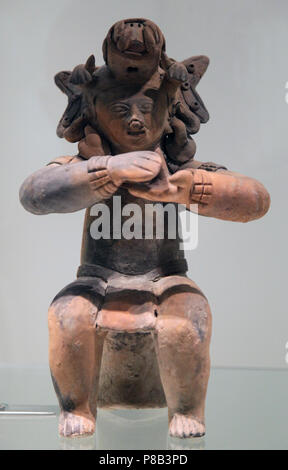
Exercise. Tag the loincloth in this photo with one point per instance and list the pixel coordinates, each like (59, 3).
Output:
(128, 302)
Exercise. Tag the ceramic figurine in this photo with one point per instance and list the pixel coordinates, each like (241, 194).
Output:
(133, 331)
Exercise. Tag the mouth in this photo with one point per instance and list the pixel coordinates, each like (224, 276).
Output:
(137, 133)
(132, 70)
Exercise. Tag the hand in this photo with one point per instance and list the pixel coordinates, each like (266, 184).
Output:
(134, 167)
(178, 189)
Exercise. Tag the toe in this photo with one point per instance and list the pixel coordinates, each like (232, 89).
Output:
(186, 426)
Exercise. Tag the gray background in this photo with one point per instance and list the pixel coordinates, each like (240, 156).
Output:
(240, 267)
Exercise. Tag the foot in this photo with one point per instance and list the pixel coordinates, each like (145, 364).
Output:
(186, 426)
(73, 425)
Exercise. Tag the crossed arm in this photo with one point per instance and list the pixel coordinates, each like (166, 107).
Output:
(222, 194)
(70, 185)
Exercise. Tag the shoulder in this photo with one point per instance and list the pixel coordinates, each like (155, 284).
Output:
(66, 159)
(208, 166)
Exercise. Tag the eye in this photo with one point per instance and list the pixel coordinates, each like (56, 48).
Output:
(146, 107)
(120, 109)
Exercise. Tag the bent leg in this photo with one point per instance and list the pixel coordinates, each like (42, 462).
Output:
(75, 353)
(182, 341)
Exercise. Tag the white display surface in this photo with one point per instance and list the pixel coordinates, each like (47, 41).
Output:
(246, 409)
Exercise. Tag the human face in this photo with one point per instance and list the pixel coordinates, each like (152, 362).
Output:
(130, 124)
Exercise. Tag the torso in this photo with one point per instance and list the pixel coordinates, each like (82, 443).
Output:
(132, 256)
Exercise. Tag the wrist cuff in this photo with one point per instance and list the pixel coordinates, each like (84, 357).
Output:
(201, 191)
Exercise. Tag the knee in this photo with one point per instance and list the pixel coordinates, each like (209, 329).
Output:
(72, 314)
(173, 329)
(194, 325)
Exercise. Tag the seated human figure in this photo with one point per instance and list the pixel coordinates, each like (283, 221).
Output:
(133, 330)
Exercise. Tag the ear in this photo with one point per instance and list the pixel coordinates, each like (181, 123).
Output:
(90, 64)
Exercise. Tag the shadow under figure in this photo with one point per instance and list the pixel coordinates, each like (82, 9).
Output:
(133, 330)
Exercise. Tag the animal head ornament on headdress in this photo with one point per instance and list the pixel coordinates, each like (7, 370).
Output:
(135, 58)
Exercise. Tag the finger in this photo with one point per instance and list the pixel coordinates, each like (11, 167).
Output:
(100, 182)
(152, 170)
(99, 173)
(148, 168)
(147, 163)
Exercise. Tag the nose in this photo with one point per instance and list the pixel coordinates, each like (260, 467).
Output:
(135, 31)
(136, 121)
(135, 124)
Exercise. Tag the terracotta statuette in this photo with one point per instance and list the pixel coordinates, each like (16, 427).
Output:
(133, 331)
